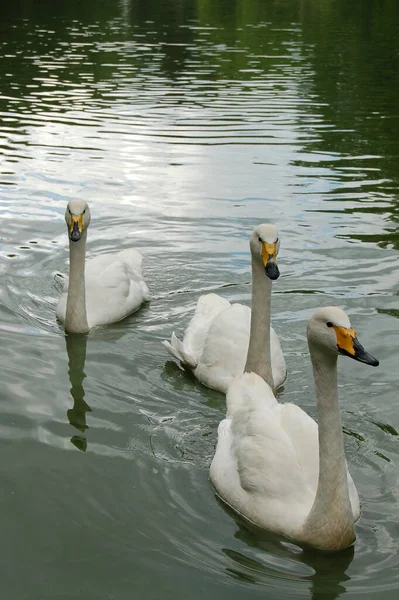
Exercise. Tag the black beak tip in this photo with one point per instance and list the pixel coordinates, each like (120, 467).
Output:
(75, 236)
(374, 362)
(363, 356)
(272, 271)
(360, 355)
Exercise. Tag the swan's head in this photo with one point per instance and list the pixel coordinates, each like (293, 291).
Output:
(77, 217)
(264, 246)
(330, 330)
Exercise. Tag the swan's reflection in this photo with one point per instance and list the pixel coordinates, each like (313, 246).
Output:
(76, 349)
(330, 572)
(326, 572)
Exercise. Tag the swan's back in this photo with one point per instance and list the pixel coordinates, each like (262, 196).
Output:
(114, 286)
(208, 306)
(256, 468)
(226, 346)
(266, 464)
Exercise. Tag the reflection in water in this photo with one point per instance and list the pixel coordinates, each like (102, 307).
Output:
(76, 348)
(330, 572)
(326, 571)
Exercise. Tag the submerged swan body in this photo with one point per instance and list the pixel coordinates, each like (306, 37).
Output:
(222, 339)
(275, 466)
(102, 290)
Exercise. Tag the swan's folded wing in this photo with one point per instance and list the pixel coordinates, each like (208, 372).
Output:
(303, 433)
(260, 451)
(114, 288)
(132, 259)
(208, 306)
(354, 498)
(279, 368)
(61, 306)
(266, 461)
(249, 392)
(226, 346)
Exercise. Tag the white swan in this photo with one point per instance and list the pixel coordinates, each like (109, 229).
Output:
(223, 339)
(103, 290)
(266, 464)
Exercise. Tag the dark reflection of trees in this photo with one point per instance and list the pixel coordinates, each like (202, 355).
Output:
(356, 61)
(40, 31)
(168, 28)
(353, 49)
(329, 569)
(350, 51)
(44, 11)
(37, 40)
(76, 349)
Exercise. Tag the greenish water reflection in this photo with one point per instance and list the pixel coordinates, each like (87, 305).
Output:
(76, 350)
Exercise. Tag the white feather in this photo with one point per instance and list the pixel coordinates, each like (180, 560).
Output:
(114, 288)
(266, 462)
(215, 343)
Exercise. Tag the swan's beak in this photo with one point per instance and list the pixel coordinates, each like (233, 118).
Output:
(76, 228)
(269, 257)
(349, 345)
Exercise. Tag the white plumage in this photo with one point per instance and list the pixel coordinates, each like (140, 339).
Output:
(266, 463)
(115, 288)
(215, 343)
(102, 290)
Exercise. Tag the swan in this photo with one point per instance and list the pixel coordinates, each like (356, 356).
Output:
(266, 463)
(105, 289)
(222, 339)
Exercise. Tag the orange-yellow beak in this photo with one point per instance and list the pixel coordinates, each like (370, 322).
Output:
(269, 258)
(348, 344)
(76, 228)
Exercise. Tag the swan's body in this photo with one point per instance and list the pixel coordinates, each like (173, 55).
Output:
(114, 288)
(102, 290)
(267, 459)
(216, 342)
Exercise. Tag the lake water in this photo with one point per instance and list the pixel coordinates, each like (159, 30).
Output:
(184, 123)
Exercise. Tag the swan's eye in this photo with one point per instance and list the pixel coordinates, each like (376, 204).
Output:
(260, 239)
(277, 241)
(329, 324)
(84, 212)
(69, 210)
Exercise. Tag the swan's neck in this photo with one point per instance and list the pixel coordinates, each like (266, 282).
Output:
(75, 318)
(258, 357)
(330, 522)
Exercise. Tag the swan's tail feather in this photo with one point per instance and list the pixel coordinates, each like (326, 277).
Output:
(176, 348)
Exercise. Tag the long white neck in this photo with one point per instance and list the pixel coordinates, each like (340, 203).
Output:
(258, 357)
(75, 318)
(330, 522)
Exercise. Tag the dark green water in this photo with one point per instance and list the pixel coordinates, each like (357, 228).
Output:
(183, 124)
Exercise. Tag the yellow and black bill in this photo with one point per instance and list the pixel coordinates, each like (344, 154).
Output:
(349, 345)
(269, 257)
(76, 228)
